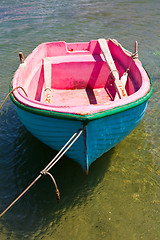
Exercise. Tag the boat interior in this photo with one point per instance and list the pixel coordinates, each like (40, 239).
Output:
(80, 76)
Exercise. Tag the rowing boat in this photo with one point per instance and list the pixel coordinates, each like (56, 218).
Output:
(97, 87)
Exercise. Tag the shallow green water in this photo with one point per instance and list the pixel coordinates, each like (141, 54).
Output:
(120, 198)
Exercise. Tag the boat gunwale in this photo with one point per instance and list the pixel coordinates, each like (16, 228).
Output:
(85, 117)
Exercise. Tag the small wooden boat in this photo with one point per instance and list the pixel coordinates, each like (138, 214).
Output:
(96, 86)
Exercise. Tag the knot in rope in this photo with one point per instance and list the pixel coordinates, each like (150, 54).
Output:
(127, 70)
(134, 55)
(43, 172)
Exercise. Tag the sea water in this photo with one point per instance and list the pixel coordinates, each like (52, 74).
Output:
(120, 198)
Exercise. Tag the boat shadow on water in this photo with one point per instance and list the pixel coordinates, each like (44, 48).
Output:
(38, 207)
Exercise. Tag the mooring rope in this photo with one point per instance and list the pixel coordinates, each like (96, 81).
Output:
(67, 146)
(45, 171)
(12, 92)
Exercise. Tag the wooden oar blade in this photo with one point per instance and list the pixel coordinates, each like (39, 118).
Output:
(108, 57)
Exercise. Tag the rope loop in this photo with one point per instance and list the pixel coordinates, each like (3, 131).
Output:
(55, 184)
(45, 172)
(48, 89)
(12, 92)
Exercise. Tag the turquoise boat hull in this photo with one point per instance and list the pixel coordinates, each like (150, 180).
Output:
(99, 135)
(97, 86)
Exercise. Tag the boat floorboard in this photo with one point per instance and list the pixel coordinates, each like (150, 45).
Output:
(76, 97)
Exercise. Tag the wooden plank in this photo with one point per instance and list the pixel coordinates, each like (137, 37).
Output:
(47, 81)
(47, 73)
(108, 57)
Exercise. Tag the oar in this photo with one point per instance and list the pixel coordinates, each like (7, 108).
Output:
(124, 81)
(108, 57)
